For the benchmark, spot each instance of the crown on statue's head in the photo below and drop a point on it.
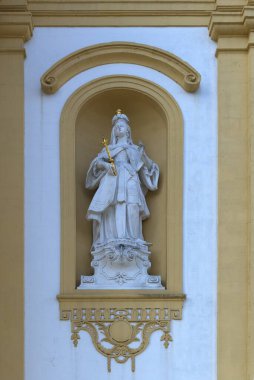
(119, 115)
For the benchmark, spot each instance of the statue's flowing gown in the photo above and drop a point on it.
(119, 206)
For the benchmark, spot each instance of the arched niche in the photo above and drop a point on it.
(148, 124)
(156, 119)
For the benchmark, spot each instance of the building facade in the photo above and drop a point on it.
(184, 73)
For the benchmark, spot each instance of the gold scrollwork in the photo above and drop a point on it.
(121, 334)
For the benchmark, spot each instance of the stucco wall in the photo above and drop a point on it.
(49, 351)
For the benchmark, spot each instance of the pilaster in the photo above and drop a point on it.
(231, 26)
(15, 29)
(251, 209)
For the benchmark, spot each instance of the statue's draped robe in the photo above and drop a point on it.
(119, 206)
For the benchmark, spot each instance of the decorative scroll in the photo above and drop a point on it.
(120, 52)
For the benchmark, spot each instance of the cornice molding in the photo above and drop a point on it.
(231, 21)
(16, 24)
(16, 20)
(238, 44)
(120, 52)
(121, 13)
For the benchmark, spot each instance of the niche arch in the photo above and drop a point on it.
(107, 314)
(120, 52)
(171, 213)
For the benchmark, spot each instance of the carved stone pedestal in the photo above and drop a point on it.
(121, 264)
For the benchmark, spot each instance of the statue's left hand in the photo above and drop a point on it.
(148, 163)
(141, 148)
(141, 145)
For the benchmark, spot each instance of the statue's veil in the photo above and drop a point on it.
(113, 139)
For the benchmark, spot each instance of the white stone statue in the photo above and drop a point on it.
(122, 173)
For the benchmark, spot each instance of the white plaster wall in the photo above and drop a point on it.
(49, 351)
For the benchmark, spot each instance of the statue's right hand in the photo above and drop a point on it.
(104, 165)
(109, 168)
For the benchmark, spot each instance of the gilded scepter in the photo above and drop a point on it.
(111, 160)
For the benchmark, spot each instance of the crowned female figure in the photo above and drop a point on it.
(121, 174)
(119, 206)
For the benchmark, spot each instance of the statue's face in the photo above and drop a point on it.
(121, 128)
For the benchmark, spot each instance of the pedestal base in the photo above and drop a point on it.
(121, 264)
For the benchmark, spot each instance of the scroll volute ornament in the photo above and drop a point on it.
(120, 52)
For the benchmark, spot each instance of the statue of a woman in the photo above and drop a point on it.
(122, 173)
(119, 206)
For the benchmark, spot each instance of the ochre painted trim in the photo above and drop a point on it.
(120, 52)
(12, 45)
(73, 19)
(250, 343)
(233, 343)
(12, 209)
(15, 28)
(121, 13)
(230, 21)
(16, 25)
(232, 28)
(173, 116)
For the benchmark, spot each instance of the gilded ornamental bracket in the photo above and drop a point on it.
(120, 52)
(121, 331)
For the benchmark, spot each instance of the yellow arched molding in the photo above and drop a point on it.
(88, 309)
(174, 156)
(120, 52)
